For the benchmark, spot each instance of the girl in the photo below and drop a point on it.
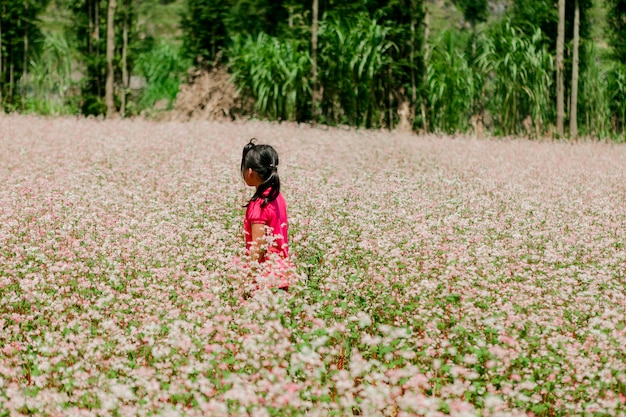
(265, 223)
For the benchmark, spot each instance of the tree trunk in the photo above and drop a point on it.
(108, 93)
(11, 78)
(213, 44)
(124, 63)
(89, 38)
(1, 58)
(412, 58)
(97, 43)
(426, 35)
(390, 99)
(573, 121)
(25, 61)
(560, 93)
(315, 97)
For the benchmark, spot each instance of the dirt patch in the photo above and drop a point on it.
(207, 95)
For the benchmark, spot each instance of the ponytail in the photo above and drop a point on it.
(262, 159)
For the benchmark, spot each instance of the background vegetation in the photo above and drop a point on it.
(430, 65)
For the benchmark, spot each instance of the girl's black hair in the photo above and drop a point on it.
(263, 159)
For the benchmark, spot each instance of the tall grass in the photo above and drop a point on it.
(594, 104)
(50, 77)
(518, 71)
(275, 73)
(354, 59)
(617, 99)
(503, 72)
(450, 84)
(163, 68)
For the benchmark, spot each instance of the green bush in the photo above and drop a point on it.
(594, 104)
(93, 106)
(353, 63)
(518, 70)
(163, 68)
(50, 78)
(617, 98)
(275, 73)
(449, 84)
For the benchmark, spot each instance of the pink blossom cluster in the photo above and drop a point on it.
(435, 275)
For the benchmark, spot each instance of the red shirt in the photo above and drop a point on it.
(273, 215)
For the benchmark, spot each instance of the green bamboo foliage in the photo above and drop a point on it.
(354, 59)
(594, 104)
(497, 73)
(163, 68)
(617, 98)
(450, 84)
(518, 70)
(275, 72)
(50, 77)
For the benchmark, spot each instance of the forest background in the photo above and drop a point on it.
(538, 68)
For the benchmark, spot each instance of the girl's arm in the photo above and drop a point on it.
(259, 243)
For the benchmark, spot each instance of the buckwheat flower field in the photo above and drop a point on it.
(435, 276)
